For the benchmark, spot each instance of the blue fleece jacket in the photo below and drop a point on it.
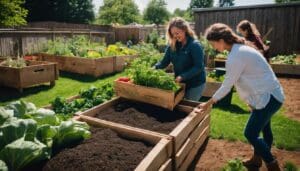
(188, 62)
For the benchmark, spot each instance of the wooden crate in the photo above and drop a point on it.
(36, 72)
(187, 137)
(122, 61)
(286, 69)
(163, 98)
(211, 88)
(95, 67)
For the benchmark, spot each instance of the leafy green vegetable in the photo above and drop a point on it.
(44, 116)
(14, 63)
(70, 132)
(212, 76)
(88, 98)
(3, 166)
(19, 108)
(15, 128)
(21, 153)
(82, 47)
(284, 59)
(234, 165)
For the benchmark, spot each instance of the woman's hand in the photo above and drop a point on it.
(203, 107)
(178, 79)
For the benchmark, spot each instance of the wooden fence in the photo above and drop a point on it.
(281, 20)
(22, 42)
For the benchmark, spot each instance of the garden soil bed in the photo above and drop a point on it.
(216, 153)
(291, 87)
(143, 115)
(105, 151)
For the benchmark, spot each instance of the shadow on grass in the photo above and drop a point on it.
(9, 94)
(232, 108)
(83, 78)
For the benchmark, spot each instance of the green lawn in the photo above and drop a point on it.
(226, 122)
(66, 86)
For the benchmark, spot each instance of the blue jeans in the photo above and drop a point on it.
(260, 120)
(194, 93)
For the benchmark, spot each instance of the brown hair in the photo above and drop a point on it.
(180, 23)
(251, 29)
(220, 31)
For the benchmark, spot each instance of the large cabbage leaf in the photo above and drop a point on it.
(3, 166)
(20, 153)
(44, 116)
(70, 132)
(15, 128)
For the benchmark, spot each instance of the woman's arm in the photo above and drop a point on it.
(165, 61)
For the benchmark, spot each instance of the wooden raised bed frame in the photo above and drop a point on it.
(95, 67)
(163, 98)
(186, 138)
(286, 69)
(36, 72)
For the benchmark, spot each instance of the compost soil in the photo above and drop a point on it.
(143, 115)
(105, 151)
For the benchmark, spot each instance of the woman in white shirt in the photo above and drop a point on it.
(256, 84)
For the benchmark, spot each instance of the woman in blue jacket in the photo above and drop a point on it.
(186, 55)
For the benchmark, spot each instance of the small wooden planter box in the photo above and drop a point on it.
(286, 69)
(186, 138)
(94, 67)
(121, 62)
(163, 98)
(36, 72)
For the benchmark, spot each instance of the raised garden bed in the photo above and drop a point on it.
(36, 72)
(163, 98)
(289, 69)
(95, 67)
(186, 129)
(110, 150)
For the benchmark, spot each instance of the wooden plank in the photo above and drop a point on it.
(157, 156)
(132, 132)
(286, 69)
(211, 88)
(200, 140)
(94, 110)
(167, 166)
(182, 131)
(184, 108)
(187, 146)
(189, 103)
(163, 98)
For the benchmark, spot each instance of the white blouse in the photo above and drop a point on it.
(252, 76)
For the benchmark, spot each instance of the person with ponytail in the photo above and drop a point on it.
(251, 34)
(256, 84)
(186, 54)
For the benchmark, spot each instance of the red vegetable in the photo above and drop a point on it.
(124, 79)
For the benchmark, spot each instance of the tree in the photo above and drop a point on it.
(185, 14)
(73, 11)
(201, 4)
(118, 11)
(286, 1)
(226, 3)
(156, 12)
(12, 13)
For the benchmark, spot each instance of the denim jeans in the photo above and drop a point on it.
(194, 93)
(260, 121)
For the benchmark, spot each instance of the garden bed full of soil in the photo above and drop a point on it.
(143, 116)
(105, 151)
